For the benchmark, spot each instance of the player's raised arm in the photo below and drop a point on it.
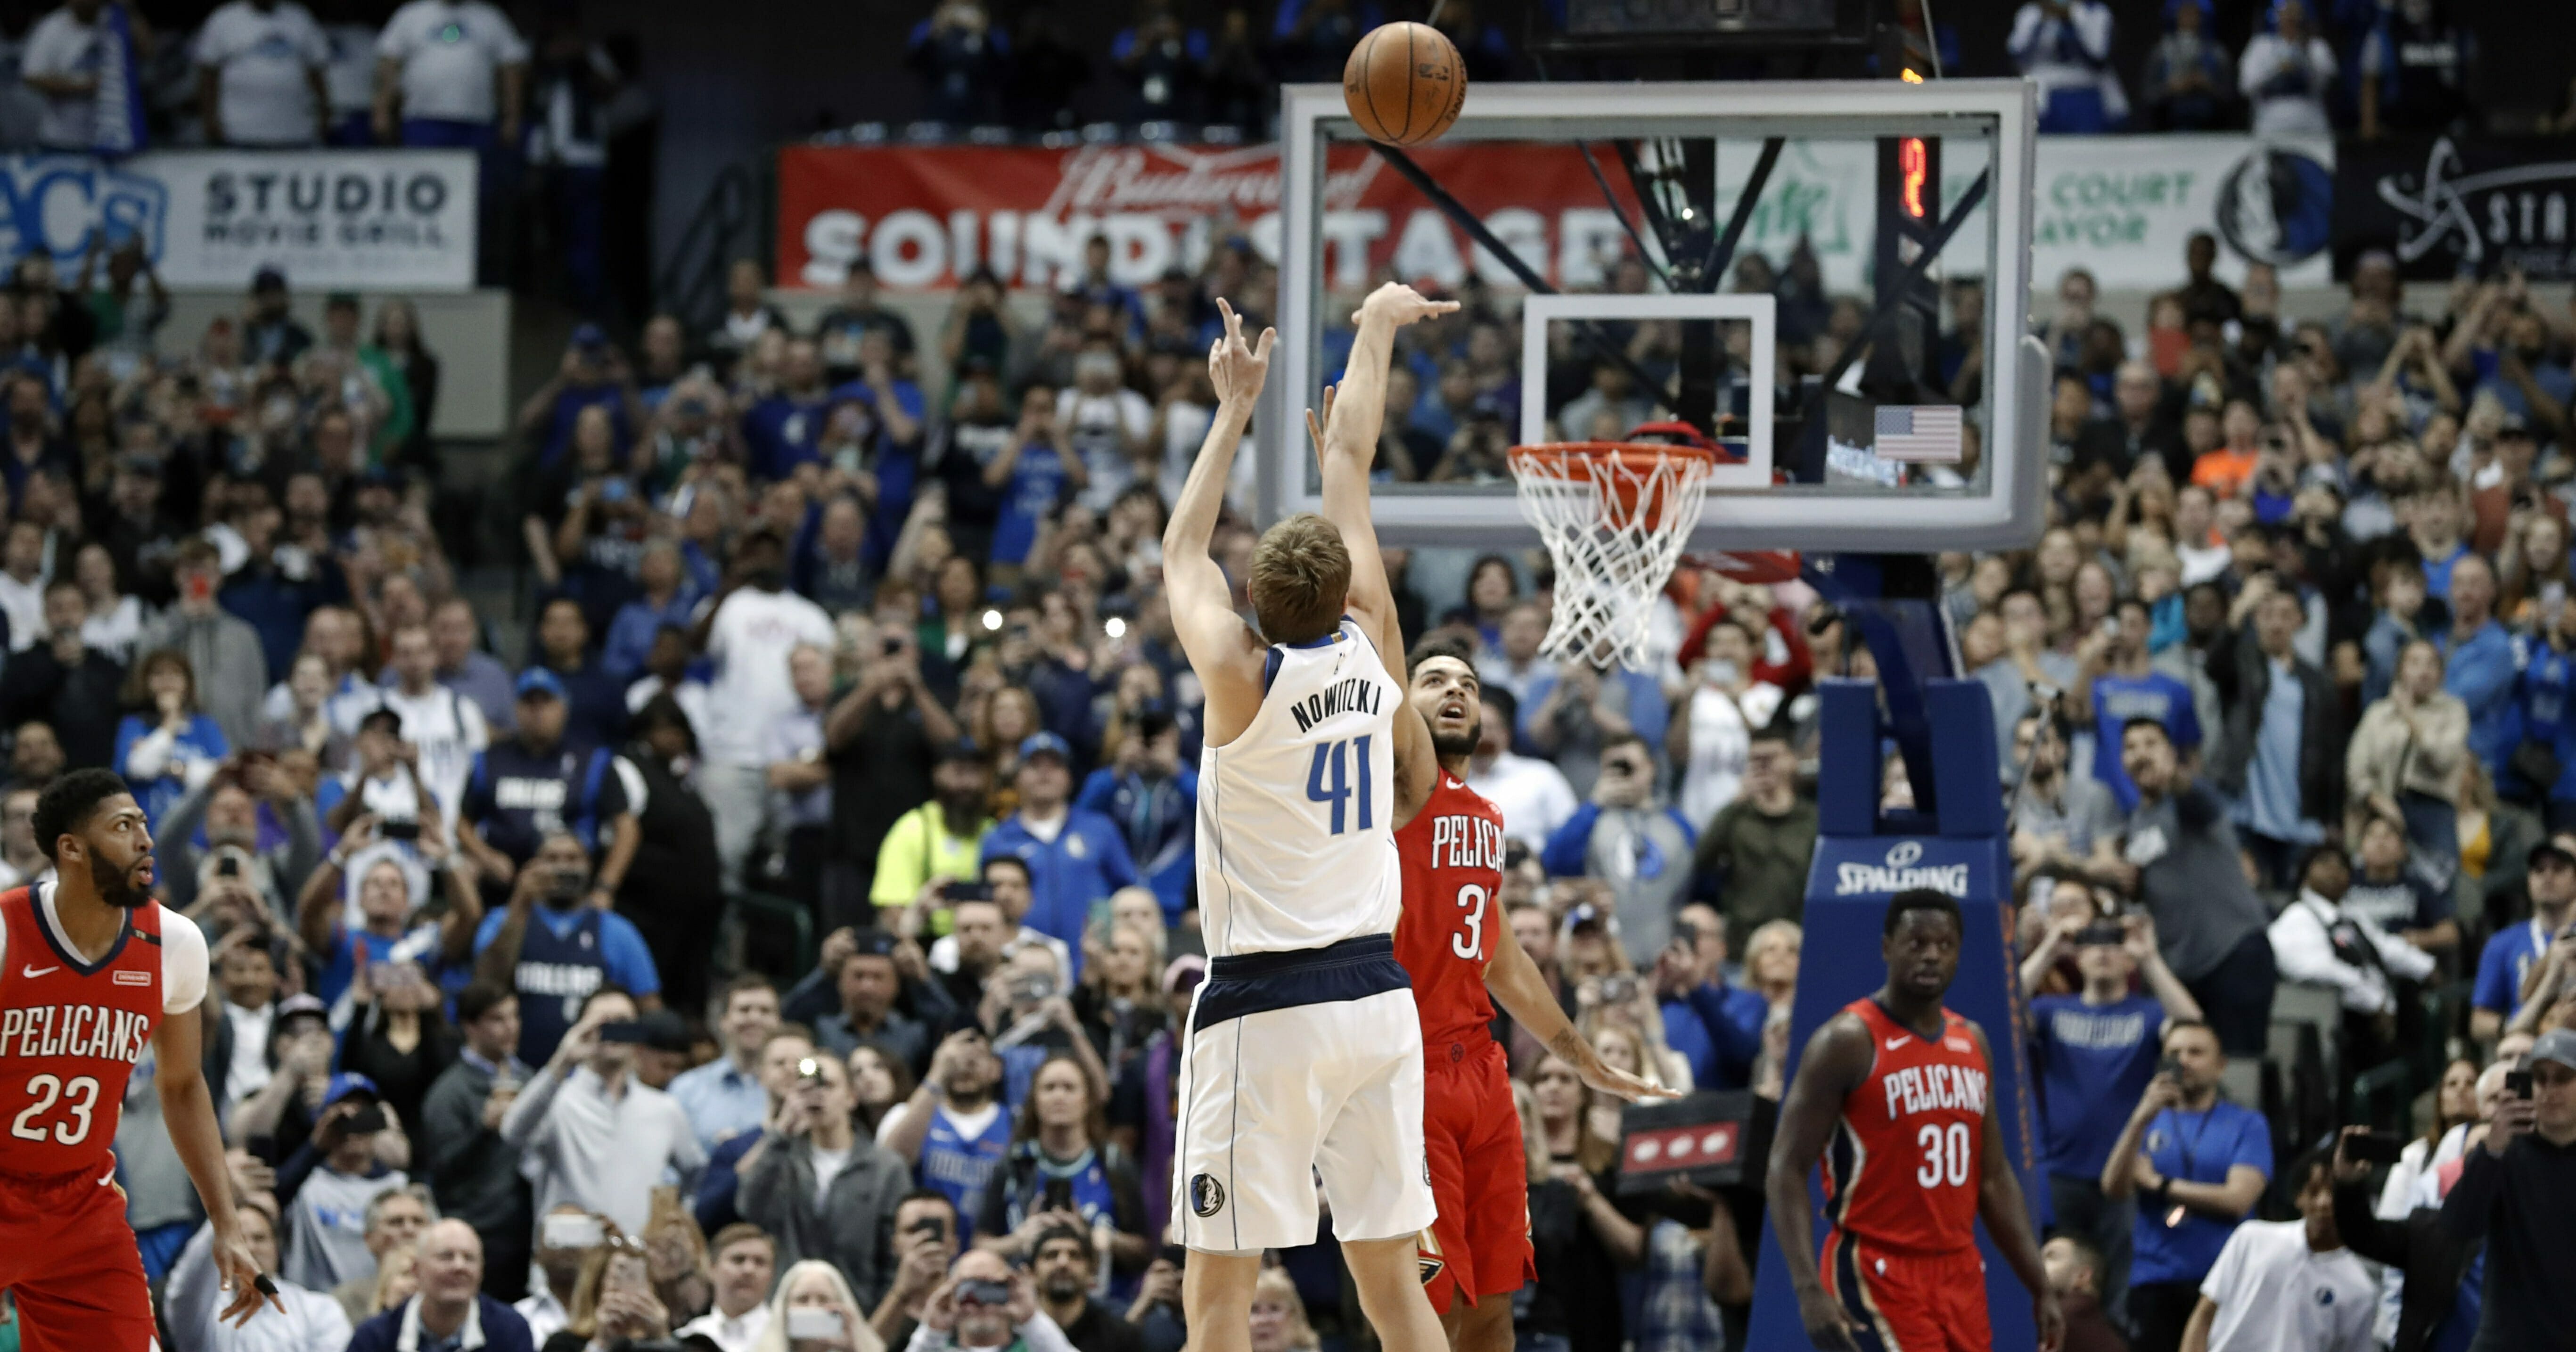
(2007, 1216)
(1837, 1058)
(1222, 649)
(1347, 447)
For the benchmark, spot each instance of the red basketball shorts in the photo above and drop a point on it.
(67, 1252)
(1907, 1301)
(1479, 1245)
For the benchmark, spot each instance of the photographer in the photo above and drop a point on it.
(589, 1132)
(554, 951)
(438, 935)
(868, 981)
(820, 1188)
(986, 1303)
(2197, 1165)
(227, 808)
(2096, 1051)
(1029, 1016)
(300, 1048)
(2513, 1191)
(327, 1185)
(2063, 826)
(1626, 837)
(953, 1128)
(2440, 1278)
(1062, 1172)
(925, 1238)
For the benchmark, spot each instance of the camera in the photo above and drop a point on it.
(1618, 988)
(1034, 987)
(2101, 934)
(2375, 1147)
(401, 830)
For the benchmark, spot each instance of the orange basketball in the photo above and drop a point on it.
(1404, 83)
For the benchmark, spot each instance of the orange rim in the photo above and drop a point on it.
(1572, 462)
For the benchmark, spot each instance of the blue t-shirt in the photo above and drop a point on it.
(781, 432)
(201, 740)
(2116, 700)
(2094, 1062)
(2194, 1148)
(552, 937)
(418, 944)
(2507, 959)
(1037, 484)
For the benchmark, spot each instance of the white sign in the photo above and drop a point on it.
(358, 220)
(2123, 206)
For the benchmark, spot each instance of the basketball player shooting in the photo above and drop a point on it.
(1303, 1056)
(91, 971)
(1897, 1085)
(1454, 941)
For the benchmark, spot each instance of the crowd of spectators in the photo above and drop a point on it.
(2309, 66)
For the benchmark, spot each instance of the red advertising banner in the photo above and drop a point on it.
(925, 216)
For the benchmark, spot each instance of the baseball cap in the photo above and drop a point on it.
(345, 1084)
(385, 719)
(270, 278)
(301, 1004)
(2549, 848)
(2558, 1044)
(959, 749)
(665, 1031)
(589, 337)
(539, 681)
(1045, 744)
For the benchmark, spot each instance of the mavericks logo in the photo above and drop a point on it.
(2277, 206)
(1207, 1196)
(1904, 869)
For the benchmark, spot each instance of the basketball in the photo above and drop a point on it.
(1404, 83)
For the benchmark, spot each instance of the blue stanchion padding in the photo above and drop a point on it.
(1864, 858)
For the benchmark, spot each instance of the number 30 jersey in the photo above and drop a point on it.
(1453, 867)
(1904, 1168)
(72, 1031)
(1296, 832)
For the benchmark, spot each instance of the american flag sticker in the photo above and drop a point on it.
(1919, 433)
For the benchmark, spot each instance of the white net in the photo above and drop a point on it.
(1615, 520)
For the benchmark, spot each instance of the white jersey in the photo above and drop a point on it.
(1296, 830)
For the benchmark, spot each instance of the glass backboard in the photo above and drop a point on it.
(1837, 349)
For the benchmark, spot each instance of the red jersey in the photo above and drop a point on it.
(70, 1033)
(1452, 854)
(1907, 1157)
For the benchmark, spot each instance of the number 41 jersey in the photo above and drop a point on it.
(1296, 841)
(1904, 1168)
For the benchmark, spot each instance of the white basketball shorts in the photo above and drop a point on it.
(1300, 1063)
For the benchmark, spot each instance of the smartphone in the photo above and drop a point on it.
(1058, 1195)
(624, 1030)
(928, 1225)
(2101, 934)
(570, 1231)
(891, 647)
(1686, 934)
(1618, 988)
(228, 867)
(983, 1291)
(1036, 986)
(400, 830)
(366, 1121)
(2170, 1065)
(2517, 1084)
(2375, 1147)
(954, 893)
(815, 1322)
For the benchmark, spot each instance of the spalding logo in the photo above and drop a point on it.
(1904, 869)
(1207, 1196)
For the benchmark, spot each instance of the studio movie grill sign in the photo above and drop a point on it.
(312, 208)
(1903, 871)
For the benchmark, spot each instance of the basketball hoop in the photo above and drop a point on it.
(1615, 517)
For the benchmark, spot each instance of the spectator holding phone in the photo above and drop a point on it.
(390, 928)
(2439, 1277)
(814, 1310)
(2096, 1051)
(1062, 1172)
(2196, 1164)
(227, 809)
(954, 1128)
(868, 982)
(2512, 1192)
(613, 1304)
(589, 1132)
(327, 1185)
(938, 841)
(821, 1188)
(555, 950)
(2506, 963)
(398, 1035)
(986, 1303)
(925, 1237)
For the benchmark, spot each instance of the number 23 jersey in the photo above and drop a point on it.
(72, 1031)
(1905, 1164)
